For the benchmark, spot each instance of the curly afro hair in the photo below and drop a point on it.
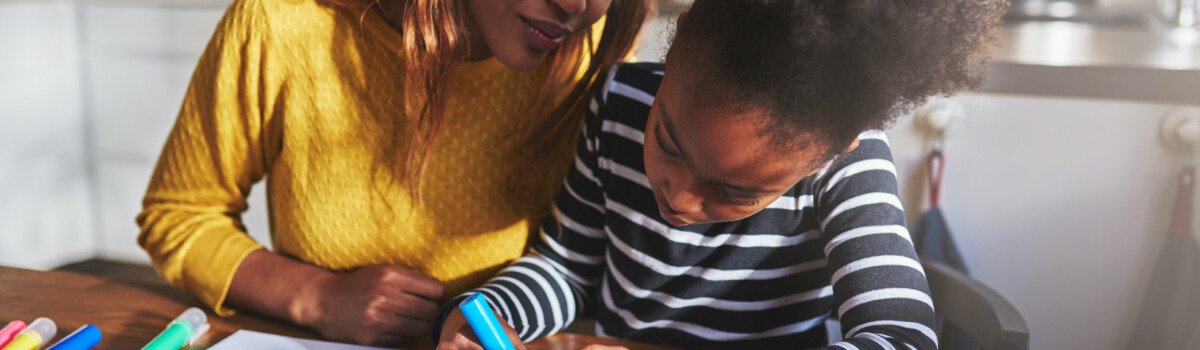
(836, 67)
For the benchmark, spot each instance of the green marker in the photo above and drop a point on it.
(185, 329)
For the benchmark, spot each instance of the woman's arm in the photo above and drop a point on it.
(379, 304)
(219, 147)
(224, 140)
(880, 291)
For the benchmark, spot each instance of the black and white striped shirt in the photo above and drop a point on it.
(836, 243)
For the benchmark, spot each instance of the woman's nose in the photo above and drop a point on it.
(570, 7)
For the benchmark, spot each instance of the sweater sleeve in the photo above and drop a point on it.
(544, 291)
(880, 291)
(191, 214)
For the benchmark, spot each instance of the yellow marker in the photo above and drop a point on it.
(32, 338)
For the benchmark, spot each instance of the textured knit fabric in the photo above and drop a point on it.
(836, 242)
(311, 95)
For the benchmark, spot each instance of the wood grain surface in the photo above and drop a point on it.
(130, 316)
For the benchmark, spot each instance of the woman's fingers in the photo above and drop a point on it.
(411, 306)
(400, 326)
(378, 305)
(412, 282)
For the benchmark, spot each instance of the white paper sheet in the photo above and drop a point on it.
(244, 339)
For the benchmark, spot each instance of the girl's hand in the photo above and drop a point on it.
(381, 305)
(458, 335)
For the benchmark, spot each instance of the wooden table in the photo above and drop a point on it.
(130, 316)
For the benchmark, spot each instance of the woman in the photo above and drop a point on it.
(409, 144)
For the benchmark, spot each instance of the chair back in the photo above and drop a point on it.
(967, 304)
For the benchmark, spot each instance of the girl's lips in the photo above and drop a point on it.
(545, 36)
(669, 220)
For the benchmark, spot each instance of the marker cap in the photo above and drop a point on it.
(44, 327)
(10, 331)
(183, 330)
(196, 320)
(32, 338)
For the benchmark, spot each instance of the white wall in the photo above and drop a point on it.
(138, 60)
(88, 92)
(45, 190)
(1059, 204)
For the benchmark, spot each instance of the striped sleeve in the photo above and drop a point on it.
(879, 287)
(546, 289)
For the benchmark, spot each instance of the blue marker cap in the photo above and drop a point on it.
(487, 328)
(81, 339)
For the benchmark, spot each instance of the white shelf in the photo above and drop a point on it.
(1096, 61)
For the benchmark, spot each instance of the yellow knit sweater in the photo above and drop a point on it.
(308, 96)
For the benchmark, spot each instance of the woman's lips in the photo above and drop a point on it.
(670, 220)
(544, 35)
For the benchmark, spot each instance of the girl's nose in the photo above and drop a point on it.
(684, 197)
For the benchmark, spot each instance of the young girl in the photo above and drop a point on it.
(377, 126)
(738, 198)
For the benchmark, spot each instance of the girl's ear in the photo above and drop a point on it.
(853, 145)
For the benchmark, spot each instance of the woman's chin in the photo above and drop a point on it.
(521, 61)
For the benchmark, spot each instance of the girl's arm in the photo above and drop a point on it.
(880, 291)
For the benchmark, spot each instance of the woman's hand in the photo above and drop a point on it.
(376, 305)
(381, 305)
(458, 335)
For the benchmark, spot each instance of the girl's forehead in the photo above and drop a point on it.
(728, 141)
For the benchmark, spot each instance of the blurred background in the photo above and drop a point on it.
(1057, 186)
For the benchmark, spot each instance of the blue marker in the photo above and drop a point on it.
(83, 338)
(479, 315)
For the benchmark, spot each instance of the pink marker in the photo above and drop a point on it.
(10, 331)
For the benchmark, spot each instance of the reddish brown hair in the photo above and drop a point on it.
(435, 38)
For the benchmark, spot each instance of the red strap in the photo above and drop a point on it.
(1181, 215)
(936, 163)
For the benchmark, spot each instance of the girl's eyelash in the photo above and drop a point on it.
(735, 200)
(743, 203)
(658, 139)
